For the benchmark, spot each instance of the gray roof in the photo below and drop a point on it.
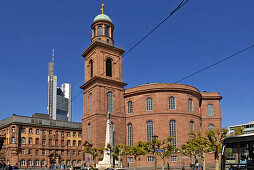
(34, 121)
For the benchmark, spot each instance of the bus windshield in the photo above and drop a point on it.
(238, 154)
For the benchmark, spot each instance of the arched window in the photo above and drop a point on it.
(107, 31)
(91, 68)
(30, 141)
(37, 141)
(110, 101)
(73, 143)
(109, 67)
(68, 143)
(99, 30)
(130, 134)
(23, 140)
(191, 126)
(91, 102)
(211, 127)
(209, 110)
(89, 130)
(130, 107)
(149, 130)
(171, 103)
(190, 105)
(13, 140)
(79, 143)
(22, 162)
(149, 104)
(30, 163)
(172, 132)
(37, 163)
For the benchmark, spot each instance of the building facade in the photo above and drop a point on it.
(248, 128)
(138, 113)
(59, 98)
(36, 142)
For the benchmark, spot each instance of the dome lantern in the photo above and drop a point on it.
(102, 28)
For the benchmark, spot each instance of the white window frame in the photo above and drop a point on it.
(149, 104)
(173, 158)
(171, 103)
(210, 110)
(36, 163)
(173, 132)
(30, 162)
(110, 102)
(190, 104)
(130, 107)
(149, 130)
(130, 134)
(150, 159)
(23, 162)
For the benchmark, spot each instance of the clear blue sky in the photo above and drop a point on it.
(199, 34)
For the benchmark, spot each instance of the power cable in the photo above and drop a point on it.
(205, 68)
(183, 2)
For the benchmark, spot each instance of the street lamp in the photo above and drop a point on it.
(155, 137)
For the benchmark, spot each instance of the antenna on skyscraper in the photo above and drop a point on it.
(53, 55)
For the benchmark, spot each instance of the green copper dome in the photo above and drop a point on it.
(102, 17)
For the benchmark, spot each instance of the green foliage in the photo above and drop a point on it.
(196, 146)
(215, 139)
(238, 130)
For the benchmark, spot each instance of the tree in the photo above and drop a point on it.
(238, 130)
(121, 150)
(93, 151)
(164, 145)
(197, 146)
(215, 139)
(136, 151)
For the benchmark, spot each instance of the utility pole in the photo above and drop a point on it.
(155, 151)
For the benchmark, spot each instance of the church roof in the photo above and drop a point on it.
(102, 17)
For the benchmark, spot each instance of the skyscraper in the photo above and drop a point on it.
(59, 98)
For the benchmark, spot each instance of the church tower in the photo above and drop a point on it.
(103, 88)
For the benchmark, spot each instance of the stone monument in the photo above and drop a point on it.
(108, 158)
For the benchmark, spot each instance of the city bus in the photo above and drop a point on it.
(238, 152)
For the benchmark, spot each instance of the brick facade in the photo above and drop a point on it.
(28, 145)
(98, 84)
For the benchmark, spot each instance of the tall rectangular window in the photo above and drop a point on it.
(107, 31)
(89, 131)
(190, 105)
(99, 30)
(130, 107)
(149, 130)
(130, 134)
(172, 132)
(209, 110)
(149, 104)
(110, 102)
(171, 103)
(91, 102)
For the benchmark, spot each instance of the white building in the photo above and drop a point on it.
(248, 128)
(59, 98)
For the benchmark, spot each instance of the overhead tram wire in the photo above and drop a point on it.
(183, 2)
(205, 68)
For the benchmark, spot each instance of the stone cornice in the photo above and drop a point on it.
(101, 79)
(101, 44)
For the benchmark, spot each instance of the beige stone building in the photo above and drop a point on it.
(35, 142)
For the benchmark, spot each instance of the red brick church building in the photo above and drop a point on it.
(138, 113)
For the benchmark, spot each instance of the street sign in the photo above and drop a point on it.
(159, 150)
(88, 159)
